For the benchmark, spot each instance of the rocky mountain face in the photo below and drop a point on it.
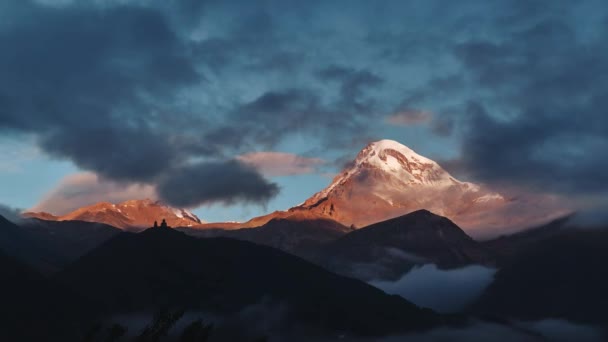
(388, 179)
(131, 214)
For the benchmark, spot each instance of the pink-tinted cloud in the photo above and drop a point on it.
(409, 117)
(86, 188)
(280, 163)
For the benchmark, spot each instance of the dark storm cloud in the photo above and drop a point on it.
(353, 82)
(272, 116)
(542, 120)
(267, 118)
(132, 90)
(114, 86)
(100, 86)
(201, 183)
(527, 97)
(86, 80)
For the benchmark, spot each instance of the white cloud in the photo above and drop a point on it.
(280, 163)
(86, 188)
(409, 117)
(440, 290)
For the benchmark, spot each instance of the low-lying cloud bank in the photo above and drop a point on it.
(545, 330)
(9, 213)
(86, 188)
(440, 290)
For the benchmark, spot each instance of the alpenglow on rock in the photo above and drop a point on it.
(388, 179)
(129, 214)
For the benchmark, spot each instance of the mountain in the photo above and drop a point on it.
(388, 179)
(67, 240)
(561, 276)
(141, 272)
(48, 246)
(508, 247)
(126, 215)
(388, 249)
(295, 234)
(35, 308)
(19, 244)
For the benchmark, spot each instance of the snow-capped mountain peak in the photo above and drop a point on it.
(388, 179)
(399, 167)
(401, 161)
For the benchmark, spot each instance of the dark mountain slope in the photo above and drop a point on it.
(510, 246)
(36, 308)
(296, 235)
(563, 276)
(137, 272)
(18, 243)
(69, 239)
(50, 245)
(389, 248)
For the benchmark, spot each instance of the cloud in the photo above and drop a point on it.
(440, 290)
(133, 90)
(353, 82)
(564, 331)
(13, 154)
(85, 188)
(205, 182)
(109, 95)
(409, 117)
(94, 98)
(537, 116)
(9, 213)
(546, 330)
(280, 163)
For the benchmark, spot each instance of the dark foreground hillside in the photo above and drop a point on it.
(34, 308)
(161, 267)
(561, 276)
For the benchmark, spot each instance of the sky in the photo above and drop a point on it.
(237, 108)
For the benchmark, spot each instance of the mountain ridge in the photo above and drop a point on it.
(226, 275)
(131, 214)
(388, 249)
(385, 180)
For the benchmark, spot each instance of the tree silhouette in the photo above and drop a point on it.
(115, 332)
(197, 331)
(91, 334)
(162, 322)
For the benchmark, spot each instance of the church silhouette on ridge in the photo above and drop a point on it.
(163, 224)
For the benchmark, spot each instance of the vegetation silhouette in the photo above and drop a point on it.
(162, 322)
(197, 331)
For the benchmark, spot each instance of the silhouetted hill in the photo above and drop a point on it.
(50, 245)
(18, 243)
(507, 247)
(34, 307)
(69, 239)
(389, 248)
(138, 272)
(299, 236)
(562, 276)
